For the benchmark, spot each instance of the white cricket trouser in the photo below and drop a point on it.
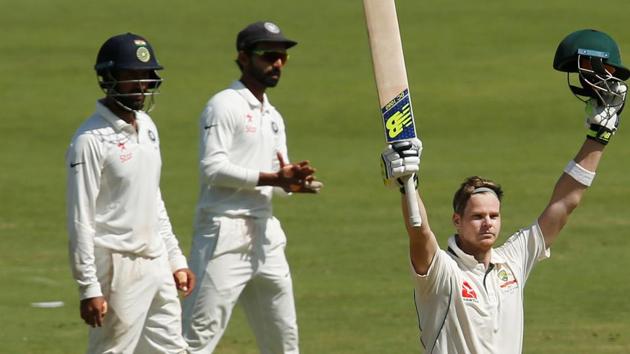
(143, 307)
(241, 259)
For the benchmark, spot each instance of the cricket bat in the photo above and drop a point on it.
(391, 83)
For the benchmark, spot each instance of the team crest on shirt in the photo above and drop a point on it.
(274, 127)
(507, 281)
(468, 293)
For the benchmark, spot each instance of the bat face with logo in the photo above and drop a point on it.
(391, 82)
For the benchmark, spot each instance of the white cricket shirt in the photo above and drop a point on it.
(113, 195)
(464, 308)
(240, 137)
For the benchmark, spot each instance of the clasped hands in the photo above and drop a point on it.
(297, 177)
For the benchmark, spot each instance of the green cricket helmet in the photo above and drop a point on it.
(590, 54)
(589, 43)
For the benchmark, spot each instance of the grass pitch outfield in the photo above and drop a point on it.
(486, 100)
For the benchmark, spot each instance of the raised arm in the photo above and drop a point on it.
(399, 160)
(602, 121)
(422, 242)
(568, 192)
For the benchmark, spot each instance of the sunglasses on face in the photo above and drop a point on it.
(271, 56)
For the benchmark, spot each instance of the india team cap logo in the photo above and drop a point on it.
(271, 27)
(142, 53)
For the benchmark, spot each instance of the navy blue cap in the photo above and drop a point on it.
(262, 31)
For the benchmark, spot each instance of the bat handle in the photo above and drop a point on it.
(412, 202)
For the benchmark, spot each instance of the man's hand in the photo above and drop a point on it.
(93, 310)
(184, 280)
(400, 159)
(297, 178)
(602, 120)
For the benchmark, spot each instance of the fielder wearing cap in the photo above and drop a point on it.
(124, 256)
(238, 245)
(469, 297)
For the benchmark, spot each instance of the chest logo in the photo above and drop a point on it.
(124, 154)
(250, 127)
(468, 293)
(508, 281)
(274, 127)
(151, 135)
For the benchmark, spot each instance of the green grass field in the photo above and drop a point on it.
(486, 100)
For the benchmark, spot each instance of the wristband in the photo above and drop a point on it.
(579, 173)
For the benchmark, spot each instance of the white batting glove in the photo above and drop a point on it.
(400, 159)
(603, 120)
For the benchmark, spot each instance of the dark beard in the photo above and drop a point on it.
(130, 102)
(267, 79)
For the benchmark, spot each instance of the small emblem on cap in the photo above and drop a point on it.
(143, 54)
(139, 42)
(271, 27)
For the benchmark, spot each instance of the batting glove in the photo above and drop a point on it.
(602, 121)
(400, 159)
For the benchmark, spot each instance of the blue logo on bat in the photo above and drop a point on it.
(398, 118)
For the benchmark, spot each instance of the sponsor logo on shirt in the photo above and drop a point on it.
(468, 293)
(124, 155)
(250, 127)
(274, 127)
(151, 135)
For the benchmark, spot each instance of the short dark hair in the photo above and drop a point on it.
(468, 187)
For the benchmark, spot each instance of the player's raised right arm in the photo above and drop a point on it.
(402, 159)
(422, 242)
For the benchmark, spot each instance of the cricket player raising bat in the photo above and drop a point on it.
(469, 297)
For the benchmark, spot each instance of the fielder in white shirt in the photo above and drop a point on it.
(124, 255)
(469, 298)
(238, 245)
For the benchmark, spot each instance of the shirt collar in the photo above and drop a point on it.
(113, 119)
(462, 257)
(468, 260)
(239, 87)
